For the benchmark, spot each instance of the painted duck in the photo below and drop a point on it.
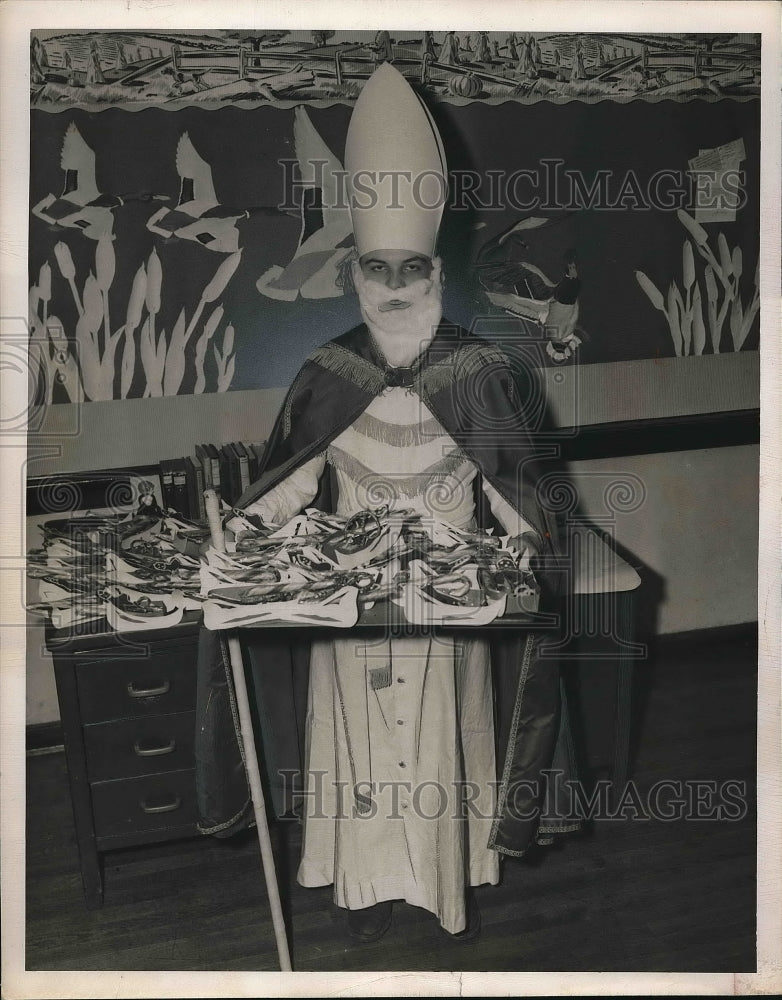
(522, 289)
(81, 205)
(198, 215)
(317, 269)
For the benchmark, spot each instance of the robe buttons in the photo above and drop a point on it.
(402, 763)
(400, 722)
(400, 680)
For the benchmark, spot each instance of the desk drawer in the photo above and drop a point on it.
(163, 681)
(129, 748)
(143, 805)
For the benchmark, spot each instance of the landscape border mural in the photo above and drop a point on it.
(604, 197)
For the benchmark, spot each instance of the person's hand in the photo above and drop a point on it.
(528, 544)
(239, 520)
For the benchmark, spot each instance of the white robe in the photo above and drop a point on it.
(401, 775)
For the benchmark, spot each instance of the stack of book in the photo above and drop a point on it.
(229, 469)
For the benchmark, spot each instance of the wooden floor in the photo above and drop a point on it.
(633, 895)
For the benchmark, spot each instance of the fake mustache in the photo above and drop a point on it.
(377, 296)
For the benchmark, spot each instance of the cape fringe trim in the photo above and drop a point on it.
(286, 415)
(467, 361)
(346, 364)
(463, 362)
(407, 486)
(399, 435)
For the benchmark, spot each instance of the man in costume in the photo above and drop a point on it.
(410, 411)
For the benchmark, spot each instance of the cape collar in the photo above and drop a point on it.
(360, 341)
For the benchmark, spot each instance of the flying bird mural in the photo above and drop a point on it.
(198, 215)
(81, 205)
(318, 269)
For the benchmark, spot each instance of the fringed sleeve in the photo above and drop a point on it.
(292, 495)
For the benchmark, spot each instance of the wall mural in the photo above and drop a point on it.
(604, 197)
(213, 68)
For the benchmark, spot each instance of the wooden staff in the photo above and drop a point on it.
(250, 755)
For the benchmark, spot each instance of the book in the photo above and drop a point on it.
(227, 474)
(195, 489)
(214, 464)
(181, 500)
(167, 482)
(244, 466)
(202, 454)
(252, 461)
(200, 487)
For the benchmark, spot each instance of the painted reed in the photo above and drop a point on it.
(690, 314)
(88, 363)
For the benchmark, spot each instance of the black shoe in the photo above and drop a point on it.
(371, 923)
(473, 928)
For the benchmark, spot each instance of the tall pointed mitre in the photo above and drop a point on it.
(397, 174)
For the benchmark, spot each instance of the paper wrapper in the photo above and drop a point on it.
(421, 609)
(244, 588)
(339, 610)
(128, 621)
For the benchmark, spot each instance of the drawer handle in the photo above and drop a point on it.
(153, 692)
(154, 751)
(166, 807)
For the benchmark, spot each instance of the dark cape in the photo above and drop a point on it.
(471, 388)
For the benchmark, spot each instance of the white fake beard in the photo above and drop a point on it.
(401, 334)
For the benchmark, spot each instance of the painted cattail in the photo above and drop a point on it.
(225, 376)
(154, 283)
(228, 340)
(64, 260)
(148, 354)
(711, 286)
(136, 300)
(200, 352)
(162, 346)
(174, 366)
(673, 321)
(128, 363)
(222, 276)
(738, 263)
(32, 303)
(104, 263)
(67, 268)
(715, 327)
(694, 228)
(698, 326)
(45, 282)
(213, 322)
(655, 296)
(688, 265)
(725, 257)
(736, 322)
(89, 362)
(93, 304)
(225, 360)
